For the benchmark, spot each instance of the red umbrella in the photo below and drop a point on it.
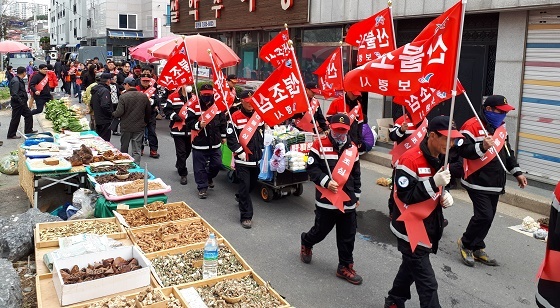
(141, 53)
(12, 46)
(197, 46)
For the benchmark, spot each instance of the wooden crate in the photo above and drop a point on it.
(47, 298)
(133, 232)
(54, 243)
(213, 281)
(178, 250)
(26, 177)
(123, 211)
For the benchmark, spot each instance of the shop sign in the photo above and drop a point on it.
(205, 24)
(174, 10)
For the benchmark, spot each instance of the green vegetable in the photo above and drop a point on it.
(62, 117)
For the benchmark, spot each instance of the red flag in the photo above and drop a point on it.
(221, 89)
(428, 62)
(374, 36)
(177, 71)
(280, 96)
(277, 50)
(330, 74)
(422, 102)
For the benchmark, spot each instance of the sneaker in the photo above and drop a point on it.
(305, 254)
(202, 194)
(348, 273)
(210, 183)
(481, 256)
(154, 154)
(466, 254)
(246, 223)
(184, 180)
(389, 303)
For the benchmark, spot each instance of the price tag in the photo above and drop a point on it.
(192, 298)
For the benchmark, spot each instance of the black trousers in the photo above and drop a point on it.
(200, 159)
(183, 148)
(484, 206)
(19, 110)
(152, 136)
(346, 224)
(104, 131)
(248, 177)
(40, 103)
(415, 267)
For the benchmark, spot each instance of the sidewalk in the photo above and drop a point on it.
(536, 197)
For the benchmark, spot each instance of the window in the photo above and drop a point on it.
(127, 21)
(168, 16)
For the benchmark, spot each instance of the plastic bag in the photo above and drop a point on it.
(84, 200)
(9, 163)
(277, 161)
(265, 173)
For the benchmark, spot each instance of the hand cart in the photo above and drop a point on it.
(283, 184)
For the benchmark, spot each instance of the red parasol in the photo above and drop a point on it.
(12, 46)
(141, 53)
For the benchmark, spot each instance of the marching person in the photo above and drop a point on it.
(39, 87)
(210, 130)
(353, 109)
(419, 181)
(147, 87)
(18, 102)
(134, 111)
(102, 106)
(486, 178)
(176, 109)
(233, 100)
(303, 121)
(342, 155)
(247, 153)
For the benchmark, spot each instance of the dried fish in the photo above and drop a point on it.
(79, 227)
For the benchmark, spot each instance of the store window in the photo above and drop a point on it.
(127, 21)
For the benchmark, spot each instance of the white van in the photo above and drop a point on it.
(16, 59)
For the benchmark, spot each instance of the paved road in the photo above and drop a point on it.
(271, 247)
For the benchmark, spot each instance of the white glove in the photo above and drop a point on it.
(242, 156)
(189, 89)
(442, 178)
(446, 199)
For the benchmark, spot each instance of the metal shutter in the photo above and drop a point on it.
(539, 142)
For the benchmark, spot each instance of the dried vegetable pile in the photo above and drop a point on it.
(186, 267)
(105, 268)
(136, 186)
(79, 227)
(151, 241)
(107, 178)
(100, 169)
(244, 292)
(137, 218)
(146, 297)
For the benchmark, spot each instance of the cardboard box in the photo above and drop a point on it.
(383, 127)
(79, 292)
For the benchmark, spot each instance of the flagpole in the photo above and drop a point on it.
(484, 129)
(454, 89)
(292, 51)
(223, 95)
(390, 5)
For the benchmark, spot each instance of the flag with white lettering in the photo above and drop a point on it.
(177, 71)
(374, 36)
(424, 62)
(221, 89)
(277, 50)
(281, 96)
(330, 74)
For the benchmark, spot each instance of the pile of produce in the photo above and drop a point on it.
(105, 268)
(63, 118)
(83, 156)
(79, 227)
(136, 218)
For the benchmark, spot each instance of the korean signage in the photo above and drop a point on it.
(205, 24)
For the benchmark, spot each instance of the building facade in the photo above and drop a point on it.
(25, 10)
(117, 25)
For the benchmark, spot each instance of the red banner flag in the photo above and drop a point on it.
(221, 89)
(330, 74)
(277, 50)
(411, 141)
(177, 71)
(423, 62)
(471, 166)
(374, 36)
(280, 96)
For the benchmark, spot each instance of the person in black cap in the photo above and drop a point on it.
(419, 179)
(350, 104)
(40, 89)
(335, 147)
(233, 100)
(102, 106)
(206, 146)
(302, 122)
(486, 184)
(246, 164)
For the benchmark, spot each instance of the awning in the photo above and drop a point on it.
(124, 34)
(73, 45)
(63, 45)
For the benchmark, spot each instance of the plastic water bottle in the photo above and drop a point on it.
(210, 261)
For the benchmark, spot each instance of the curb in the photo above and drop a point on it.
(514, 196)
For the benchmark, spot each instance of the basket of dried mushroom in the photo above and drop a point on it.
(47, 234)
(170, 235)
(175, 211)
(243, 289)
(183, 265)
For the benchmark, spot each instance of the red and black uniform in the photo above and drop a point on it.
(151, 127)
(327, 215)
(414, 183)
(549, 282)
(337, 106)
(181, 137)
(485, 185)
(247, 170)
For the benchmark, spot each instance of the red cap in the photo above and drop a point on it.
(340, 121)
(499, 102)
(207, 92)
(440, 124)
(356, 93)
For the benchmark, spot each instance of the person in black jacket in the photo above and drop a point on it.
(9, 74)
(18, 102)
(206, 145)
(40, 90)
(246, 164)
(102, 106)
(311, 89)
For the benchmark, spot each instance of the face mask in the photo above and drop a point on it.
(494, 119)
(339, 138)
(206, 99)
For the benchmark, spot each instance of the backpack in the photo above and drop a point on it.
(367, 137)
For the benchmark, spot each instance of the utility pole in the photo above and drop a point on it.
(35, 33)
